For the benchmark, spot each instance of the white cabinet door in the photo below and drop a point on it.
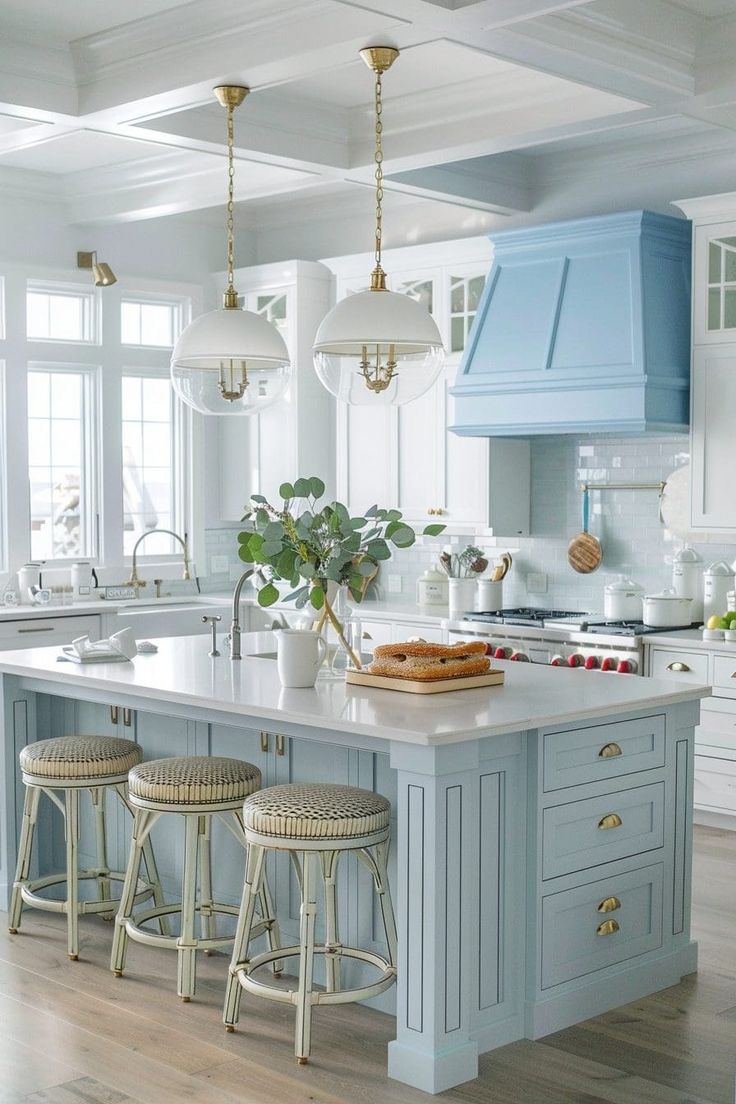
(714, 283)
(366, 446)
(713, 434)
(420, 428)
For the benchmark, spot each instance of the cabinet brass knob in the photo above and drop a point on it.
(678, 666)
(609, 751)
(609, 904)
(610, 820)
(608, 927)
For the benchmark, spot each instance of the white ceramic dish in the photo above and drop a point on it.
(666, 610)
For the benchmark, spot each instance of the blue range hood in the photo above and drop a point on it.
(583, 327)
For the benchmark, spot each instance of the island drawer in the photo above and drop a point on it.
(724, 674)
(38, 632)
(581, 834)
(601, 923)
(687, 666)
(598, 752)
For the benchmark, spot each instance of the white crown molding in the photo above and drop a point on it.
(705, 209)
(27, 185)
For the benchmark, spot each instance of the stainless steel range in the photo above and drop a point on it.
(561, 638)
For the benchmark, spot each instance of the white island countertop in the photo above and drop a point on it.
(182, 672)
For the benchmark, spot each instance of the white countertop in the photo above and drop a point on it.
(101, 605)
(533, 696)
(689, 638)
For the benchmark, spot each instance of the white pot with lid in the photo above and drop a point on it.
(687, 578)
(622, 600)
(718, 580)
(666, 610)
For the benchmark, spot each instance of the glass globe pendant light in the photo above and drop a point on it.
(378, 346)
(230, 361)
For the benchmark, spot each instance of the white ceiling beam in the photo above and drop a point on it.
(504, 188)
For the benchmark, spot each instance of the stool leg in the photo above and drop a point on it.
(98, 795)
(186, 944)
(384, 897)
(152, 874)
(332, 944)
(206, 915)
(142, 823)
(25, 846)
(268, 912)
(251, 890)
(71, 828)
(306, 959)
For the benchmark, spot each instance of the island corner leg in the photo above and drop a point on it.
(436, 904)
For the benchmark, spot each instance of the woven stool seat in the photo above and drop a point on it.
(71, 757)
(193, 780)
(316, 811)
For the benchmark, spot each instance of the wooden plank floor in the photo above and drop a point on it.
(72, 1034)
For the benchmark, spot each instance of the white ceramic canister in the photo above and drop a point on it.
(432, 589)
(666, 610)
(718, 580)
(622, 600)
(82, 581)
(28, 576)
(461, 596)
(489, 595)
(687, 578)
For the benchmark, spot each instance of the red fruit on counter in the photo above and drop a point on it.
(591, 663)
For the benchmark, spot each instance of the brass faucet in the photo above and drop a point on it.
(134, 580)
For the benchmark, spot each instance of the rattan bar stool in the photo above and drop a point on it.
(68, 765)
(197, 788)
(315, 823)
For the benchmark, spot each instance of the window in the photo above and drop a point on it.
(421, 290)
(60, 461)
(465, 293)
(722, 284)
(56, 314)
(149, 469)
(149, 322)
(273, 308)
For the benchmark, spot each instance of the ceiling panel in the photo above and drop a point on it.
(84, 149)
(710, 9)
(66, 20)
(9, 123)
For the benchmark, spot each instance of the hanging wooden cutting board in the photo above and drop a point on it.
(584, 552)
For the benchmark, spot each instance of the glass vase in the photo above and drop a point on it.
(342, 634)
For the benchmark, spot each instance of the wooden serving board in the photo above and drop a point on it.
(415, 686)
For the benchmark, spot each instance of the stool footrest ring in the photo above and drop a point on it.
(133, 927)
(29, 892)
(244, 972)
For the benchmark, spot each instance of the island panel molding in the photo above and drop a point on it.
(469, 808)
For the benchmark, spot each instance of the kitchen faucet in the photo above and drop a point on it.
(235, 629)
(134, 581)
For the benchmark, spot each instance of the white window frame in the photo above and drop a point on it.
(181, 317)
(107, 356)
(91, 458)
(64, 288)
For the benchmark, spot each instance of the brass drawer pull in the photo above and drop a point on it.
(39, 628)
(279, 744)
(114, 714)
(609, 904)
(127, 717)
(610, 820)
(608, 927)
(609, 751)
(678, 665)
(264, 741)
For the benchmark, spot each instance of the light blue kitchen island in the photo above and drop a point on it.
(542, 831)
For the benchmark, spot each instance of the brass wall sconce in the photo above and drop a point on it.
(102, 273)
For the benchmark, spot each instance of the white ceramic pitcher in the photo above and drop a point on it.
(301, 653)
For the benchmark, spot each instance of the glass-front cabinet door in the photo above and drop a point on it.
(714, 314)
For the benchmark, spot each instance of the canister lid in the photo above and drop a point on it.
(720, 567)
(686, 554)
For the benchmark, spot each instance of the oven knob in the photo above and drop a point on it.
(556, 661)
(490, 648)
(610, 663)
(575, 660)
(500, 653)
(521, 657)
(626, 667)
(591, 663)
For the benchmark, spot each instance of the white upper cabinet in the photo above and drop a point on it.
(713, 385)
(295, 436)
(407, 456)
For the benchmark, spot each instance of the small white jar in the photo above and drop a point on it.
(432, 589)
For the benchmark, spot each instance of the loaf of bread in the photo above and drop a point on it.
(427, 662)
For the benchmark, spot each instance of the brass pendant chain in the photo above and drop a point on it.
(231, 297)
(379, 170)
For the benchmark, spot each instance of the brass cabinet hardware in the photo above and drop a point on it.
(608, 927)
(127, 717)
(677, 665)
(436, 511)
(39, 628)
(610, 820)
(114, 714)
(609, 751)
(609, 904)
(732, 676)
(279, 744)
(264, 741)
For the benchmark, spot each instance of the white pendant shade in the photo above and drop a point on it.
(384, 325)
(226, 352)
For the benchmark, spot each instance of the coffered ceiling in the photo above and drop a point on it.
(107, 107)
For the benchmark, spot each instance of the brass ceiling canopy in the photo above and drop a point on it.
(231, 95)
(379, 58)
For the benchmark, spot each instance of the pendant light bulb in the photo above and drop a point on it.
(378, 346)
(230, 361)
